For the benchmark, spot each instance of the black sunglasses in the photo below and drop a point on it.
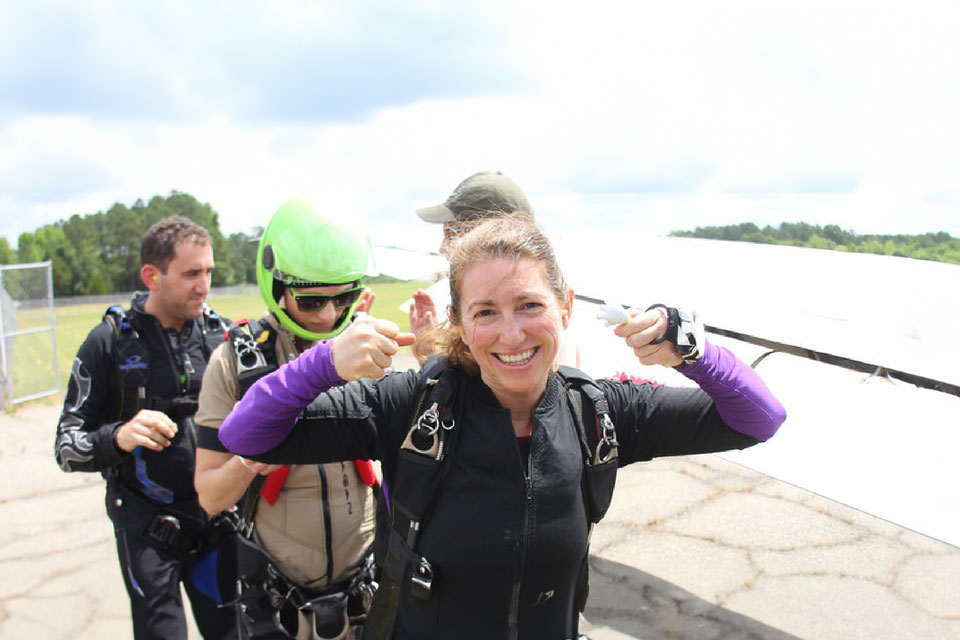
(310, 302)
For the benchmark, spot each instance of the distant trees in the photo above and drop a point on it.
(7, 255)
(243, 251)
(940, 247)
(100, 253)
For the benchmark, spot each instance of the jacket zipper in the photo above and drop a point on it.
(512, 621)
(327, 524)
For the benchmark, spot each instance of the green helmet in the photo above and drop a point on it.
(301, 248)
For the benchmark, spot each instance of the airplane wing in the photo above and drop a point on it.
(409, 264)
(859, 311)
(837, 336)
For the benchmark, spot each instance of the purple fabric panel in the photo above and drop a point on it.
(269, 409)
(742, 399)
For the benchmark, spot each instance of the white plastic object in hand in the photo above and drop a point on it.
(612, 315)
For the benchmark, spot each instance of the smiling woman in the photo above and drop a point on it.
(509, 306)
(509, 460)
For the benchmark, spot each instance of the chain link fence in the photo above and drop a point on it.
(28, 340)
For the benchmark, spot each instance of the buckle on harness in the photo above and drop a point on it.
(245, 528)
(429, 422)
(164, 529)
(425, 436)
(249, 356)
(421, 581)
(607, 447)
(333, 610)
(176, 408)
(184, 406)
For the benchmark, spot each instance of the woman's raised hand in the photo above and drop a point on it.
(642, 328)
(367, 347)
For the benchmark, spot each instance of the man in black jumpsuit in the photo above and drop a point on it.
(128, 414)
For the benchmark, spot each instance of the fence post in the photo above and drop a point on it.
(6, 392)
(22, 343)
(53, 327)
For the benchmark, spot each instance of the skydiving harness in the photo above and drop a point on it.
(343, 603)
(334, 607)
(424, 460)
(180, 533)
(133, 365)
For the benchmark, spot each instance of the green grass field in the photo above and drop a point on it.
(32, 355)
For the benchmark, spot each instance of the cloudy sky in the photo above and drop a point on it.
(636, 116)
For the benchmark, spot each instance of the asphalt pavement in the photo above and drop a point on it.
(692, 548)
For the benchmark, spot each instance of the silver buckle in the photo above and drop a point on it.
(607, 448)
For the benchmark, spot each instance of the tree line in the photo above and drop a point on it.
(940, 247)
(99, 253)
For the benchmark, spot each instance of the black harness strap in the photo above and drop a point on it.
(598, 442)
(422, 464)
(254, 346)
(132, 362)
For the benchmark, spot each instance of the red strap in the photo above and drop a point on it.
(366, 473)
(274, 482)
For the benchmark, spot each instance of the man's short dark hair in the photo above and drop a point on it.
(159, 244)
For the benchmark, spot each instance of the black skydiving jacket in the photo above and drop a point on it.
(505, 542)
(93, 407)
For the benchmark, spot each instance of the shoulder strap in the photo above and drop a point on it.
(119, 318)
(602, 439)
(254, 346)
(598, 439)
(248, 505)
(422, 459)
(598, 443)
(132, 362)
(213, 330)
(422, 464)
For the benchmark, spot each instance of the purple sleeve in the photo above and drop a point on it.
(269, 409)
(742, 399)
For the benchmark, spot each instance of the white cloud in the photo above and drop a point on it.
(642, 114)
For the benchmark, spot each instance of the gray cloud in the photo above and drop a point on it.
(281, 61)
(42, 178)
(65, 61)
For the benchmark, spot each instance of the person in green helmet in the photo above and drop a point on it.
(304, 260)
(304, 546)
